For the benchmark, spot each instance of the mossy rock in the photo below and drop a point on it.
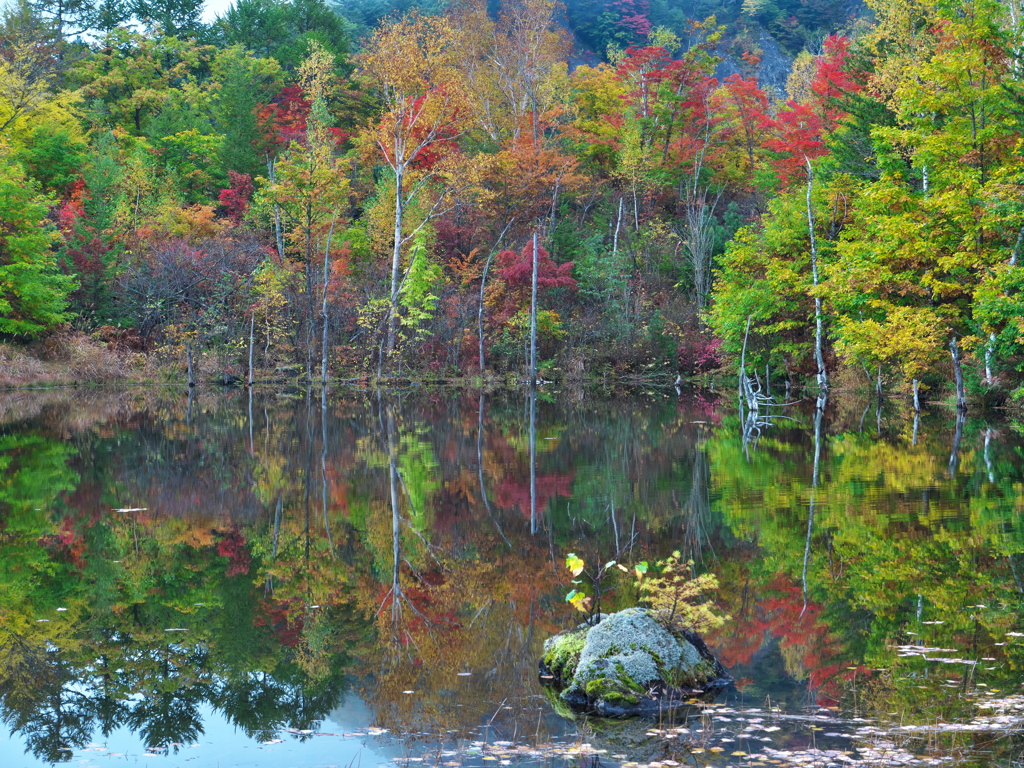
(629, 664)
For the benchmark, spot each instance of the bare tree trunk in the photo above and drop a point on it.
(819, 357)
(533, 315)
(743, 382)
(989, 351)
(483, 286)
(917, 396)
(618, 225)
(700, 222)
(958, 374)
(327, 274)
(252, 339)
(480, 311)
(191, 369)
(278, 231)
(636, 211)
(396, 259)
(878, 383)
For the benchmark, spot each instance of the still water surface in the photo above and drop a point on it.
(369, 580)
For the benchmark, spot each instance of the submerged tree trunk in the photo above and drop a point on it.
(532, 460)
(480, 469)
(958, 374)
(323, 467)
(810, 511)
(958, 434)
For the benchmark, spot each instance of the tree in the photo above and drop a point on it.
(33, 292)
(174, 18)
(411, 64)
(30, 70)
(520, 55)
(133, 77)
(284, 29)
(240, 84)
(69, 18)
(310, 185)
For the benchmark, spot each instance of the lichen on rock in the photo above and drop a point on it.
(628, 664)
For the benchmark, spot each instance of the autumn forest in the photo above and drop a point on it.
(292, 191)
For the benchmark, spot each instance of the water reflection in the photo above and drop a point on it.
(262, 559)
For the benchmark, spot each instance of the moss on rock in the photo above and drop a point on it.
(618, 665)
(562, 652)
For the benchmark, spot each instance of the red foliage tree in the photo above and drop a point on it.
(235, 199)
(750, 104)
(633, 17)
(516, 270)
(796, 138)
(833, 80)
(282, 121)
(646, 69)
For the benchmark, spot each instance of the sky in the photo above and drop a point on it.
(215, 8)
(212, 9)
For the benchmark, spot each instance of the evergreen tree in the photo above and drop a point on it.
(33, 293)
(175, 18)
(284, 29)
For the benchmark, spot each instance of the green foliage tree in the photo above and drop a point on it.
(284, 29)
(33, 292)
(173, 18)
(239, 83)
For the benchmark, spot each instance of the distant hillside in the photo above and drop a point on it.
(775, 31)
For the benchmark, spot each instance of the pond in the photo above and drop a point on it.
(280, 579)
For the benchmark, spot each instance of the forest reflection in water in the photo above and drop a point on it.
(168, 565)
